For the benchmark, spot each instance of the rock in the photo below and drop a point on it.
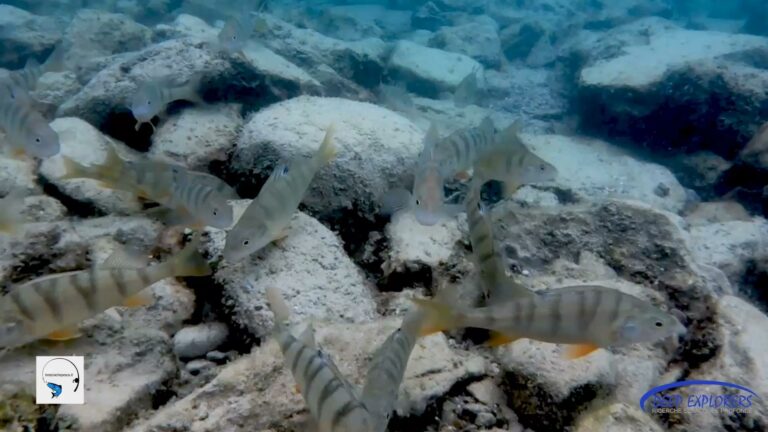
(17, 174)
(375, 150)
(96, 33)
(355, 22)
(742, 359)
(198, 136)
(707, 213)
(702, 171)
(429, 17)
(195, 341)
(478, 39)
(429, 71)
(310, 267)
(271, 64)
(86, 145)
(56, 87)
(674, 91)
(534, 92)
(195, 367)
(618, 417)
(518, 40)
(412, 246)
(729, 246)
(612, 173)
(103, 101)
(361, 61)
(185, 25)
(24, 35)
(260, 380)
(219, 357)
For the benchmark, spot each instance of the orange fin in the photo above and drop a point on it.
(498, 339)
(297, 389)
(581, 350)
(139, 300)
(63, 334)
(463, 175)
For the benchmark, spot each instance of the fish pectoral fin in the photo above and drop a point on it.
(499, 339)
(510, 187)
(580, 350)
(144, 298)
(64, 334)
(296, 389)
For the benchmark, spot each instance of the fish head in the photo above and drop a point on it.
(243, 242)
(220, 213)
(649, 325)
(427, 200)
(145, 103)
(232, 37)
(537, 170)
(42, 140)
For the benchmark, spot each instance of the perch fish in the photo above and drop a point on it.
(332, 401)
(51, 306)
(587, 317)
(269, 214)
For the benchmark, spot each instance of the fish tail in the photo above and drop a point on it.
(55, 61)
(189, 262)
(438, 316)
(327, 150)
(277, 305)
(193, 88)
(74, 169)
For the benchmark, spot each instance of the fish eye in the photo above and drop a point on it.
(245, 242)
(149, 102)
(418, 202)
(659, 324)
(37, 140)
(215, 211)
(542, 167)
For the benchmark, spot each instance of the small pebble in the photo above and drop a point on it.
(219, 357)
(661, 190)
(196, 341)
(199, 365)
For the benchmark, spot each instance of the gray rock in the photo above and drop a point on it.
(355, 22)
(24, 35)
(105, 97)
(96, 33)
(632, 93)
(261, 380)
(195, 367)
(430, 70)
(186, 25)
(730, 246)
(619, 417)
(56, 87)
(309, 266)
(198, 136)
(478, 39)
(702, 170)
(375, 149)
(195, 341)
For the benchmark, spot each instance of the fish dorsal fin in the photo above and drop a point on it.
(123, 258)
(308, 336)
(432, 136)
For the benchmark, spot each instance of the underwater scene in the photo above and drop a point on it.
(383, 215)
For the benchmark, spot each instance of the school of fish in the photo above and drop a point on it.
(585, 317)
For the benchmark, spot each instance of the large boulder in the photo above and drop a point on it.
(669, 91)
(430, 71)
(478, 39)
(96, 33)
(375, 150)
(309, 266)
(24, 35)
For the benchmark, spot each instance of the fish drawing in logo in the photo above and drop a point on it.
(55, 389)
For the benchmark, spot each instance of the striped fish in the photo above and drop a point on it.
(332, 401)
(387, 370)
(152, 96)
(27, 132)
(586, 316)
(189, 198)
(494, 282)
(269, 214)
(51, 306)
(28, 77)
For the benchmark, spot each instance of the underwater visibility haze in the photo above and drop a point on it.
(383, 215)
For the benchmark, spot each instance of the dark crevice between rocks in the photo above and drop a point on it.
(163, 394)
(429, 420)
(210, 306)
(755, 280)
(74, 207)
(746, 184)
(536, 409)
